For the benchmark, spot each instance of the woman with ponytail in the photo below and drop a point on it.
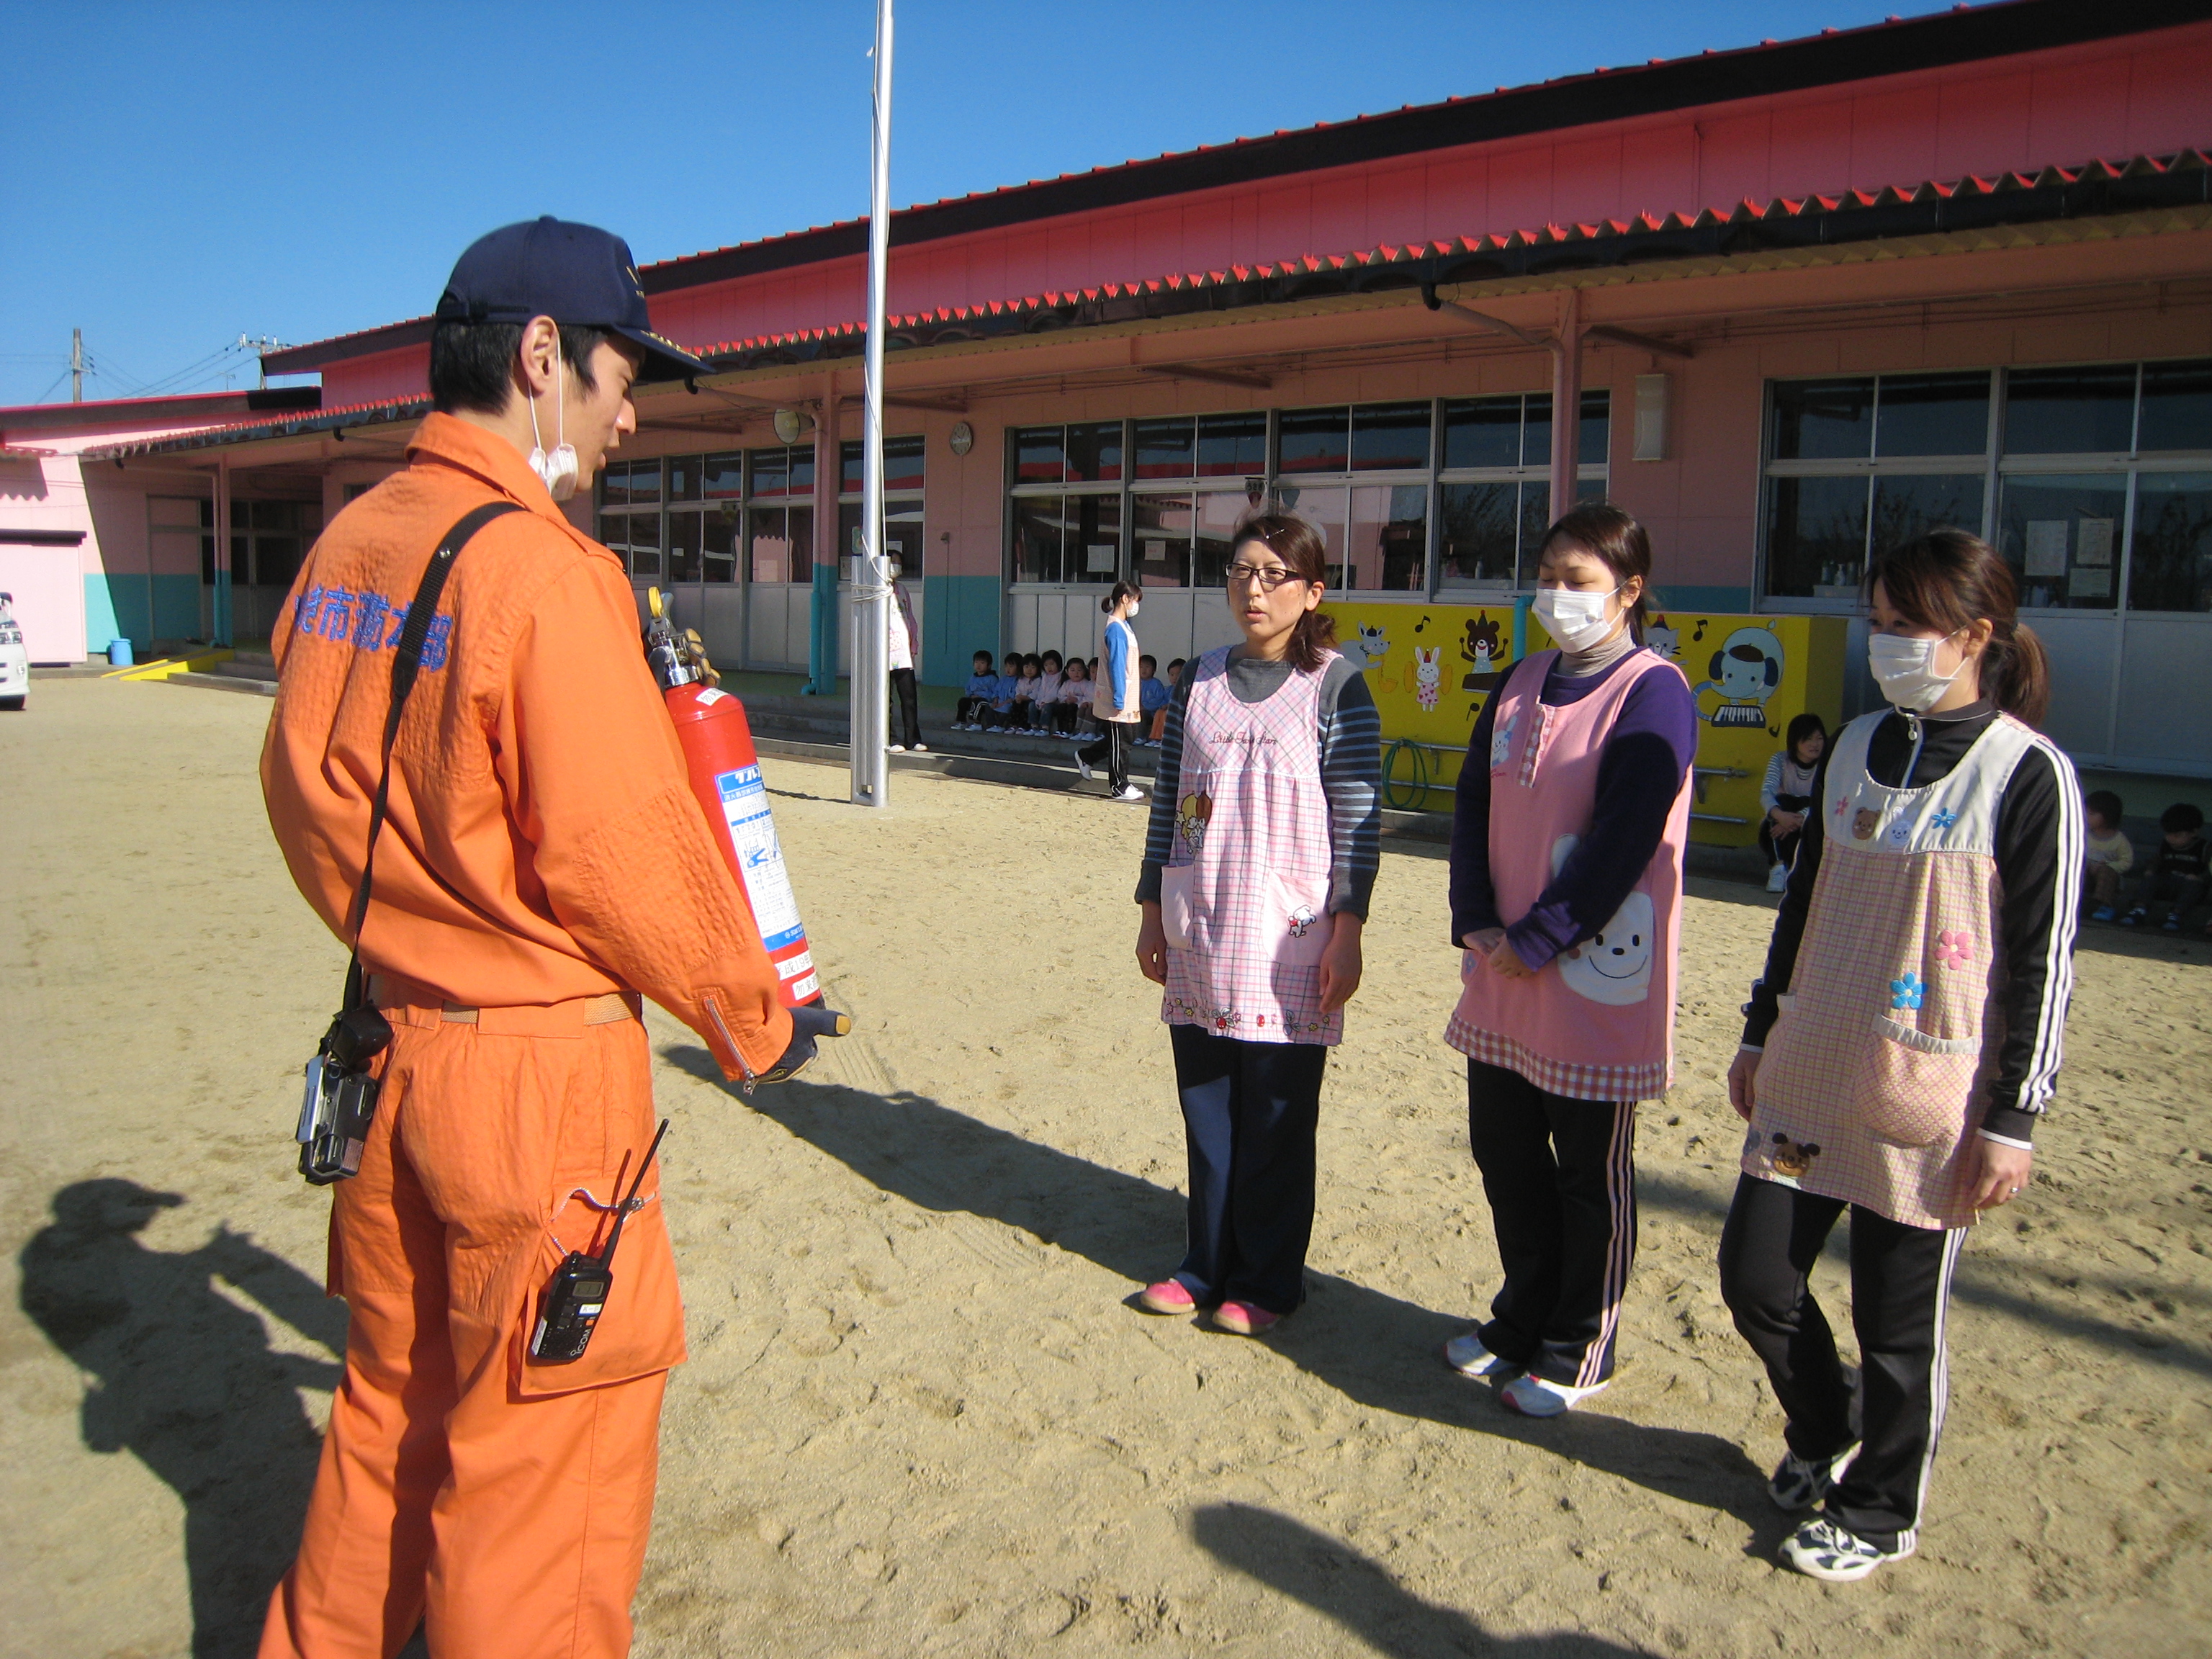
(1904, 1039)
(1264, 842)
(1113, 705)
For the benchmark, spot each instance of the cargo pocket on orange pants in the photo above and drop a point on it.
(641, 1330)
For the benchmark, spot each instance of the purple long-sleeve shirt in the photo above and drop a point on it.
(1640, 770)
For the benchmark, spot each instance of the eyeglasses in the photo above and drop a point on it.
(1266, 578)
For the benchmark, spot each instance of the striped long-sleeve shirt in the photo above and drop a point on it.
(1351, 774)
(2039, 859)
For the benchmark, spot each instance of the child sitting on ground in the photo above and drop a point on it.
(2106, 855)
(1786, 795)
(2178, 871)
(982, 690)
(1025, 692)
(1158, 735)
(1047, 694)
(1152, 698)
(1075, 694)
(1002, 702)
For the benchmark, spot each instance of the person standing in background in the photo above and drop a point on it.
(1115, 703)
(1568, 837)
(901, 641)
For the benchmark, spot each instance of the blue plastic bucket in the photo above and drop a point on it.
(118, 653)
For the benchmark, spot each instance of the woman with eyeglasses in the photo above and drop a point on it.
(1261, 856)
(1568, 835)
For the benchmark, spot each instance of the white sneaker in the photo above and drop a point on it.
(1777, 879)
(1821, 1549)
(921, 749)
(1532, 1396)
(1130, 792)
(899, 749)
(1465, 1354)
(1082, 769)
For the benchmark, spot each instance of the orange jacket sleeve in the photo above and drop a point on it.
(591, 765)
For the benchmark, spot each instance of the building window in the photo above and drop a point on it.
(1494, 485)
(705, 519)
(903, 501)
(1066, 508)
(2093, 482)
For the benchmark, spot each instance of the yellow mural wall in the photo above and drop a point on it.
(1432, 667)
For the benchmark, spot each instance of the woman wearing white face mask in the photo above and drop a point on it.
(1904, 1038)
(1566, 883)
(1114, 704)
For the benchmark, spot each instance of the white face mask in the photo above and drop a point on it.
(556, 471)
(1134, 606)
(1905, 671)
(1577, 621)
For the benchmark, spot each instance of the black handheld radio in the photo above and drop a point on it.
(578, 1290)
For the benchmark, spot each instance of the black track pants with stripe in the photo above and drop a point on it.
(1561, 1176)
(1900, 1288)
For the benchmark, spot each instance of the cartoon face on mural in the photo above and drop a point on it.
(1660, 638)
(1371, 646)
(1484, 652)
(1613, 966)
(1744, 673)
(1428, 673)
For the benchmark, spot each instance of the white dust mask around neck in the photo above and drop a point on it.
(1577, 621)
(1905, 671)
(556, 471)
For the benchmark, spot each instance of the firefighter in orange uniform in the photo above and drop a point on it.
(543, 862)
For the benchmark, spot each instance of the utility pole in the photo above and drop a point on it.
(77, 365)
(871, 594)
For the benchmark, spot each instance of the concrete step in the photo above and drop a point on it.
(244, 667)
(217, 680)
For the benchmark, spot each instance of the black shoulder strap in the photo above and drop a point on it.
(406, 664)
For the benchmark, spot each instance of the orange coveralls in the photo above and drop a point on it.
(543, 862)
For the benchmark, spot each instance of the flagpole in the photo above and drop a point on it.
(870, 677)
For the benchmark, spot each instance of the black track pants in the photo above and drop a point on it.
(1901, 1286)
(1561, 1176)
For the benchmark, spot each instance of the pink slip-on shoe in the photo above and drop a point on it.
(1245, 1318)
(1168, 1297)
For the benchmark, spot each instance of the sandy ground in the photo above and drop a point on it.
(919, 1419)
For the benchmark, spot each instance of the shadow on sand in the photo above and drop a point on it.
(183, 1378)
(1339, 1584)
(1373, 1347)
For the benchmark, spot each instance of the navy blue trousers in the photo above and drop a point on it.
(1250, 1112)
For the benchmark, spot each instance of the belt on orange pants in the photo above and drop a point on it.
(410, 1003)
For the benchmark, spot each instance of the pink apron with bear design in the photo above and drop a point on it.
(1244, 895)
(1598, 1023)
(1873, 1082)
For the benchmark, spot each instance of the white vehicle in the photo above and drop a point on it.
(14, 662)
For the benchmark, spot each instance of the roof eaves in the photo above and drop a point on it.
(384, 412)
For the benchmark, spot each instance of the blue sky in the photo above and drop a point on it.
(178, 175)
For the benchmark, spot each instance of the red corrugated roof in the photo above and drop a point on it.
(381, 411)
(1742, 212)
(1980, 31)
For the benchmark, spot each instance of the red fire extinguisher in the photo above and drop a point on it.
(725, 776)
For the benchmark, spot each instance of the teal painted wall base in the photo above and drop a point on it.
(115, 607)
(822, 635)
(1712, 601)
(960, 615)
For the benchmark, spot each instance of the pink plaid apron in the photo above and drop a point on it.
(1245, 898)
(1598, 1023)
(1874, 1079)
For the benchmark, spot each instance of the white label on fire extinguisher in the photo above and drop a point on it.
(752, 832)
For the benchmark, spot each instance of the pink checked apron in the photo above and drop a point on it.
(1245, 898)
(1598, 1023)
(1873, 1077)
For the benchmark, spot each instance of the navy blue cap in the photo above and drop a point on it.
(578, 275)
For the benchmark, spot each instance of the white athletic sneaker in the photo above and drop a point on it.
(1082, 769)
(1798, 1483)
(921, 749)
(1821, 1549)
(899, 749)
(1130, 792)
(1465, 1354)
(1532, 1396)
(1777, 879)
